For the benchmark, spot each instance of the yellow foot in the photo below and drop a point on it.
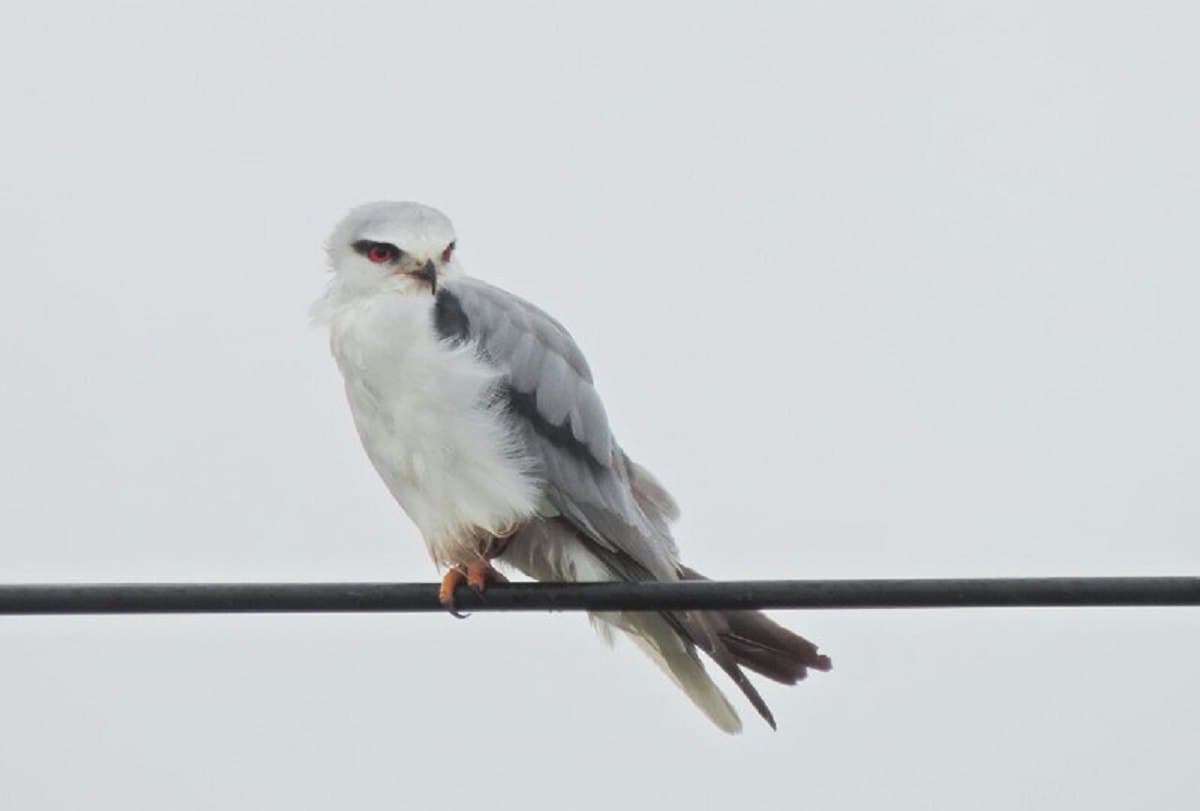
(480, 573)
(454, 577)
(477, 575)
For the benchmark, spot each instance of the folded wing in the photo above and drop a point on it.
(561, 419)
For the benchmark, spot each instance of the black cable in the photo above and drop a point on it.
(172, 598)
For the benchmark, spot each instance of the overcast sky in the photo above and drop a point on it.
(878, 290)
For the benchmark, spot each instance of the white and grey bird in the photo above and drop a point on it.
(479, 412)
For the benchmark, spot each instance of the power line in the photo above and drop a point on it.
(184, 598)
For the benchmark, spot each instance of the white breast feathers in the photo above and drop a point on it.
(422, 408)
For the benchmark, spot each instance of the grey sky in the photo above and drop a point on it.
(958, 247)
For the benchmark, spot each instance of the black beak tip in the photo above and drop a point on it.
(429, 273)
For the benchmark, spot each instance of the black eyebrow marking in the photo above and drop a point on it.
(363, 246)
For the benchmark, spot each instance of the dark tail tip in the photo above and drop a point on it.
(769, 649)
(752, 640)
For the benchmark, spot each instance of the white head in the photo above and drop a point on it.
(403, 247)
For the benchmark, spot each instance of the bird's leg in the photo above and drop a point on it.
(481, 572)
(477, 574)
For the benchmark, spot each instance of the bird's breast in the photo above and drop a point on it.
(422, 409)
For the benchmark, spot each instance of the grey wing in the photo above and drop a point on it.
(550, 397)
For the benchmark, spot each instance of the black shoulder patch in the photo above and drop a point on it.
(524, 406)
(449, 319)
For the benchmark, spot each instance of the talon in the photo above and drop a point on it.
(454, 577)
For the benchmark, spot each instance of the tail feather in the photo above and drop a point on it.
(698, 628)
(769, 649)
(759, 643)
(733, 640)
(677, 658)
(553, 550)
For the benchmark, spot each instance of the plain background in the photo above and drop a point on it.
(878, 289)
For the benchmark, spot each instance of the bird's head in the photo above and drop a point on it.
(405, 247)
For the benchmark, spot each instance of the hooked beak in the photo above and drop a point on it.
(428, 273)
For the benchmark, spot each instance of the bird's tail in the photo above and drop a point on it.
(659, 639)
(757, 642)
(553, 550)
(733, 640)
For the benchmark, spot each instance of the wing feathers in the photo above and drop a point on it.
(557, 390)
(558, 412)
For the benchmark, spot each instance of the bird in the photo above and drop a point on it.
(481, 415)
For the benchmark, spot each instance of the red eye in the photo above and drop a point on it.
(380, 253)
(446, 254)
